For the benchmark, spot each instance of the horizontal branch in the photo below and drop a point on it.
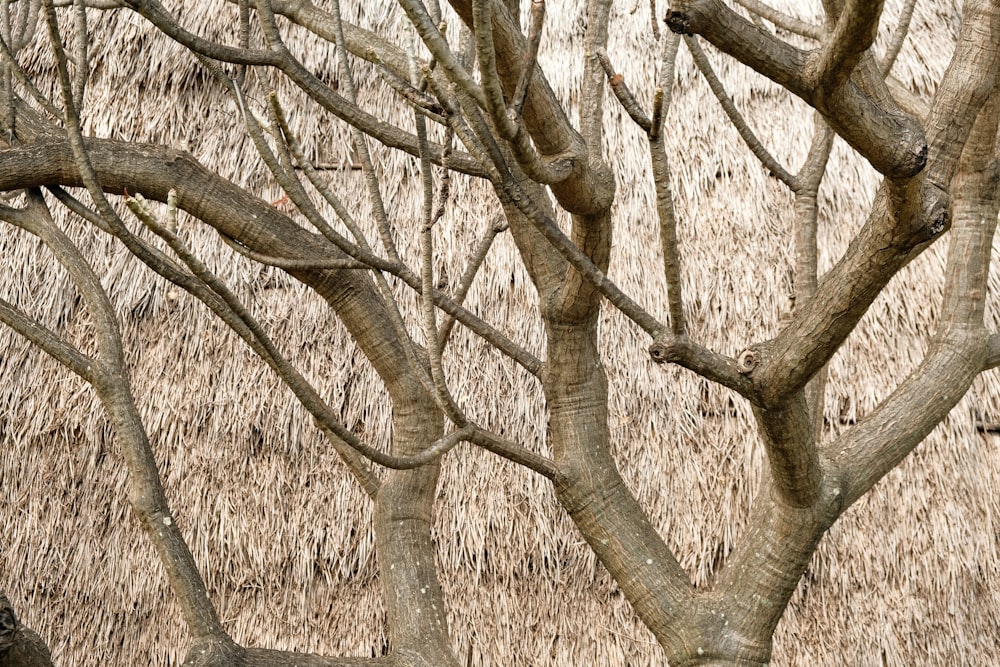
(513, 452)
(153, 170)
(680, 350)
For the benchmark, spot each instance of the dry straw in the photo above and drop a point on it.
(281, 531)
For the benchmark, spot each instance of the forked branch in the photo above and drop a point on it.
(891, 141)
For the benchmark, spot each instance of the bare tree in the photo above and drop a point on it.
(484, 109)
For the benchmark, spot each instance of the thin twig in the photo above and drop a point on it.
(421, 102)
(81, 53)
(361, 142)
(535, 26)
(782, 20)
(432, 38)
(898, 37)
(251, 331)
(509, 128)
(482, 17)
(441, 393)
(665, 211)
(623, 94)
(749, 138)
(465, 283)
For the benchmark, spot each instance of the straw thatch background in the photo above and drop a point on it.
(908, 576)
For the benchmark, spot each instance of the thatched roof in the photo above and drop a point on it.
(283, 534)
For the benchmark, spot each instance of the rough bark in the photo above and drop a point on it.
(20, 646)
(940, 172)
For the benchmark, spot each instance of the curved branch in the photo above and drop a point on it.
(853, 34)
(893, 142)
(154, 170)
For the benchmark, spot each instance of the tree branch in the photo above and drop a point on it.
(891, 141)
(782, 20)
(47, 340)
(962, 348)
(790, 440)
(680, 350)
(222, 205)
(20, 646)
(854, 33)
(585, 190)
(905, 218)
(749, 138)
(385, 133)
(898, 37)
(471, 270)
(665, 213)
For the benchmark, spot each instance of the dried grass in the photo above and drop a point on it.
(283, 535)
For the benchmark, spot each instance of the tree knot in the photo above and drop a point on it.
(747, 361)
(662, 352)
(678, 22)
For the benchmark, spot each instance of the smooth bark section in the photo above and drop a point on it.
(789, 437)
(893, 142)
(881, 440)
(757, 581)
(807, 252)
(593, 493)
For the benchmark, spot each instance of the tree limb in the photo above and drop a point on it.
(905, 218)
(893, 142)
(854, 32)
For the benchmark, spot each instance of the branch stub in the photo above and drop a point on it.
(747, 361)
